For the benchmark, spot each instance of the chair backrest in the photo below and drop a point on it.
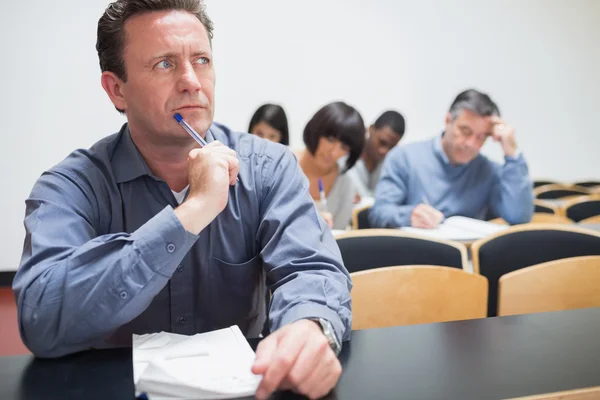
(538, 183)
(582, 208)
(406, 295)
(540, 206)
(553, 286)
(558, 191)
(545, 218)
(588, 184)
(10, 338)
(526, 245)
(374, 248)
(360, 217)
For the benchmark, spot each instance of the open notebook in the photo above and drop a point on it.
(460, 228)
(212, 365)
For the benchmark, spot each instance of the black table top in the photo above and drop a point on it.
(481, 359)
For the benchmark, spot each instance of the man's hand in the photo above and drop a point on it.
(426, 217)
(505, 135)
(296, 357)
(211, 170)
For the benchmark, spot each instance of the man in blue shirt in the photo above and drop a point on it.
(423, 183)
(146, 232)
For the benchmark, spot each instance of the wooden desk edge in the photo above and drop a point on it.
(592, 393)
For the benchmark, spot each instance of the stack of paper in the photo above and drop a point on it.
(461, 228)
(213, 365)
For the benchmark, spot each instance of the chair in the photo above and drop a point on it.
(588, 184)
(407, 295)
(552, 192)
(540, 218)
(540, 206)
(360, 217)
(582, 208)
(591, 220)
(526, 245)
(538, 183)
(374, 248)
(10, 338)
(553, 286)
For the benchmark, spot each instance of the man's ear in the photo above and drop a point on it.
(448, 118)
(113, 86)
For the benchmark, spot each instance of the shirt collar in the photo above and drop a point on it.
(439, 150)
(128, 163)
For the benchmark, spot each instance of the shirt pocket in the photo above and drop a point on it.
(238, 291)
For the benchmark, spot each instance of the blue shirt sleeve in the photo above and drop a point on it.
(390, 209)
(302, 261)
(512, 193)
(76, 286)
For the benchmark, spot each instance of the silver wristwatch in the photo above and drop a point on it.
(329, 333)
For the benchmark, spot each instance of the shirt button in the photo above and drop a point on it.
(182, 320)
(123, 294)
(170, 247)
(180, 268)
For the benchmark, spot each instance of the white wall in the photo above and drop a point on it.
(539, 59)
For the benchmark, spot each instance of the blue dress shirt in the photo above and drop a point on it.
(105, 256)
(418, 171)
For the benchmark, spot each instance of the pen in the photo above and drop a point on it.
(192, 133)
(190, 130)
(424, 199)
(323, 198)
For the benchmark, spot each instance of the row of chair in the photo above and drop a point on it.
(406, 295)
(516, 248)
(587, 184)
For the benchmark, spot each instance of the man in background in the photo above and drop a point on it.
(423, 183)
(384, 134)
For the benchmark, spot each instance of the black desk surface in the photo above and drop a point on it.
(482, 359)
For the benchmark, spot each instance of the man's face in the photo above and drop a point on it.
(465, 136)
(169, 66)
(380, 142)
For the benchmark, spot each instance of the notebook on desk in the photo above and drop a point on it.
(460, 228)
(212, 365)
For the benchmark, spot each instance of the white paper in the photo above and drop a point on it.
(460, 228)
(213, 365)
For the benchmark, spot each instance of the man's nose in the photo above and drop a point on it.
(188, 81)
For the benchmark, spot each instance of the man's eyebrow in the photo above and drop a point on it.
(161, 56)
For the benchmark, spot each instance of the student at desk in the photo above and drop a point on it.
(148, 232)
(421, 183)
(336, 131)
(383, 135)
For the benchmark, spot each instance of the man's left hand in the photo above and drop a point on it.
(505, 135)
(296, 357)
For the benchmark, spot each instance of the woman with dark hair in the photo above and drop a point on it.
(335, 132)
(270, 122)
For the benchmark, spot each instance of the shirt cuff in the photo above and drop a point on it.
(309, 311)
(163, 239)
(516, 157)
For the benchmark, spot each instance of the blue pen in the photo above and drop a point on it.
(323, 198)
(193, 133)
(190, 130)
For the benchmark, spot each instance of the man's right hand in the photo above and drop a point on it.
(426, 217)
(211, 170)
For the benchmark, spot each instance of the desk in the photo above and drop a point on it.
(594, 227)
(482, 359)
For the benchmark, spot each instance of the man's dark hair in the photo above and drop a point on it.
(111, 27)
(392, 119)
